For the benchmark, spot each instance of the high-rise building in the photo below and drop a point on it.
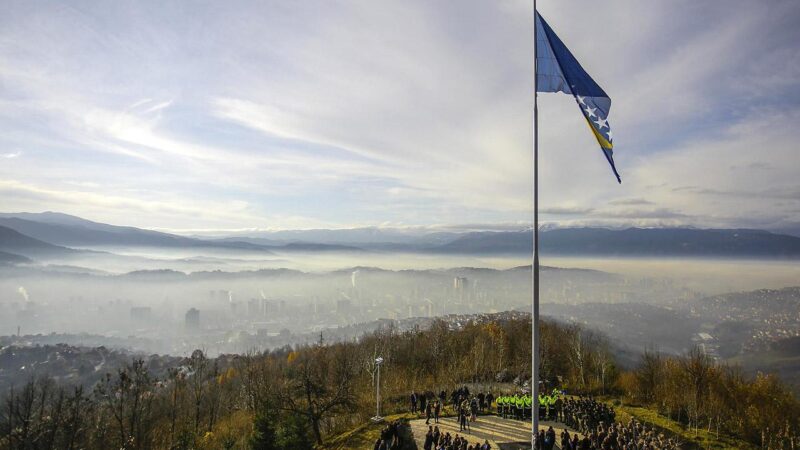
(263, 307)
(461, 286)
(192, 319)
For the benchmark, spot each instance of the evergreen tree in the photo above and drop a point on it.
(265, 433)
(295, 433)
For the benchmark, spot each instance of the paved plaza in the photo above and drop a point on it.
(504, 434)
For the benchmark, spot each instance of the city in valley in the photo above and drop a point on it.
(236, 295)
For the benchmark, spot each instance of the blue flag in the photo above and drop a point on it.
(558, 71)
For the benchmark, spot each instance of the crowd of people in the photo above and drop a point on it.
(594, 421)
(466, 405)
(585, 414)
(436, 440)
(616, 436)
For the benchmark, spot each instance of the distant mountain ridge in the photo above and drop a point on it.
(299, 246)
(672, 242)
(61, 231)
(632, 242)
(361, 237)
(18, 245)
(66, 230)
(6, 258)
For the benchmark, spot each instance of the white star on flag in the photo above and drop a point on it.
(610, 137)
(601, 123)
(590, 112)
(580, 100)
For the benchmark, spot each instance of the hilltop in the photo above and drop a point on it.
(322, 394)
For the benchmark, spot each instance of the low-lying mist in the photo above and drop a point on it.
(227, 300)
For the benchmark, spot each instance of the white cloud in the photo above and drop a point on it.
(413, 112)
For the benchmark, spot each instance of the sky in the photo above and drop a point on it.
(210, 116)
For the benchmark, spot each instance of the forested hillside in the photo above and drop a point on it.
(295, 398)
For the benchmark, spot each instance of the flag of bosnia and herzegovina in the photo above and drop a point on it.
(558, 71)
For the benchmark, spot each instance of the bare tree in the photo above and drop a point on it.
(319, 384)
(699, 371)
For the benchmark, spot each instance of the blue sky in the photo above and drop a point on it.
(198, 116)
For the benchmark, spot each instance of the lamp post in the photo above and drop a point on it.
(378, 418)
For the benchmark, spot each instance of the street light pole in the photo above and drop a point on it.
(378, 395)
(378, 418)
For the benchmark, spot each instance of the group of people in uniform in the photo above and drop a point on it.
(520, 406)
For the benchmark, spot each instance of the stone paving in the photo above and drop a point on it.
(503, 434)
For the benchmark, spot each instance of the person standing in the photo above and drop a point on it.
(428, 439)
(463, 422)
(550, 439)
(437, 409)
(565, 441)
(473, 408)
(413, 402)
(428, 413)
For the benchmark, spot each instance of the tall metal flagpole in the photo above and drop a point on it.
(535, 299)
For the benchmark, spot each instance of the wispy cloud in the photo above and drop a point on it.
(414, 113)
(630, 201)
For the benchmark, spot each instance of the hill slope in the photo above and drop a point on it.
(16, 243)
(11, 258)
(68, 230)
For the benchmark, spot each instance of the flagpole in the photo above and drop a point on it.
(535, 281)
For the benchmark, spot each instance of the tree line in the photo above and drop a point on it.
(701, 394)
(296, 398)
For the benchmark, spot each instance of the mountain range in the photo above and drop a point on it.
(34, 235)
(632, 242)
(66, 230)
(16, 245)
